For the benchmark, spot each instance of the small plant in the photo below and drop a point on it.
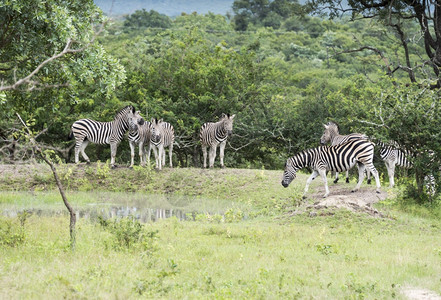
(102, 170)
(233, 215)
(129, 233)
(11, 234)
(325, 249)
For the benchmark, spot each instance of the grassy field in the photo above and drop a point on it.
(240, 240)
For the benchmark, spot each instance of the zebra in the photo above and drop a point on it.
(162, 135)
(393, 156)
(139, 133)
(86, 130)
(333, 158)
(331, 135)
(214, 134)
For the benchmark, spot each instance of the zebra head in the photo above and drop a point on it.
(290, 172)
(155, 130)
(227, 122)
(134, 120)
(331, 130)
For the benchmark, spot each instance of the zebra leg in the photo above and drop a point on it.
(163, 157)
(77, 151)
(212, 156)
(204, 152)
(221, 153)
(113, 147)
(368, 173)
(308, 182)
(141, 152)
(149, 150)
(160, 155)
(371, 168)
(391, 172)
(361, 168)
(170, 155)
(347, 176)
(155, 152)
(336, 177)
(322, 173)
(82, 148)
(132, 154)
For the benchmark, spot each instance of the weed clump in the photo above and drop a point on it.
(129, 233)
(12, 233)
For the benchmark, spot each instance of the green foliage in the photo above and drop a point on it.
(13, 233)
(129, 233)
(264, 12)
(144, 19)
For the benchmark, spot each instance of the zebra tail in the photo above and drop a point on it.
(70, 136)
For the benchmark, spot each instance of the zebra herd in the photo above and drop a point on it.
(156, 135)
(344, 152)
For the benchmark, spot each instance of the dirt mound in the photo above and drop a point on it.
(342, 197)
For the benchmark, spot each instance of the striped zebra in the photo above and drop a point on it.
(393, 156)
(214, 134)
(139, 133)
(336, 158)
(86, 130)
(162, 135)
(331, 135)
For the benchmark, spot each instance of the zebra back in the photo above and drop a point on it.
(168, 133)
(103, 132)
(334, 158)
(332, 135)
(392, 154)
(216, 133)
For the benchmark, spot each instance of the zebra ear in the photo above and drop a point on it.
(326, 126)
(152, 120)
(232, 117)
(223, 116)
(133, 109)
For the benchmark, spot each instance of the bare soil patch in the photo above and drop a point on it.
(342, 197)
(419, 294)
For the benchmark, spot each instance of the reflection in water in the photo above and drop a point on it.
(143, 215)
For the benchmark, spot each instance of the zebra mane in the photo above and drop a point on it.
(123, 112)
(127, 108)
(334, 125)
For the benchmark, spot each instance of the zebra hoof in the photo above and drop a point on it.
(368, 181)
(347, 180)
(88, 162)
(303, 197)
(378, 192)
(131, 167)
(335, 180)
(113, 166)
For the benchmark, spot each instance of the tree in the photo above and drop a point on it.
(400, 17)
(264, 12)
(44, 87)
(30, 33)
(145, 19)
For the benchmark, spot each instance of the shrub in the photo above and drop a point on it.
(129, 233)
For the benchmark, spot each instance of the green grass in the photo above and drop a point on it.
(270, 254)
